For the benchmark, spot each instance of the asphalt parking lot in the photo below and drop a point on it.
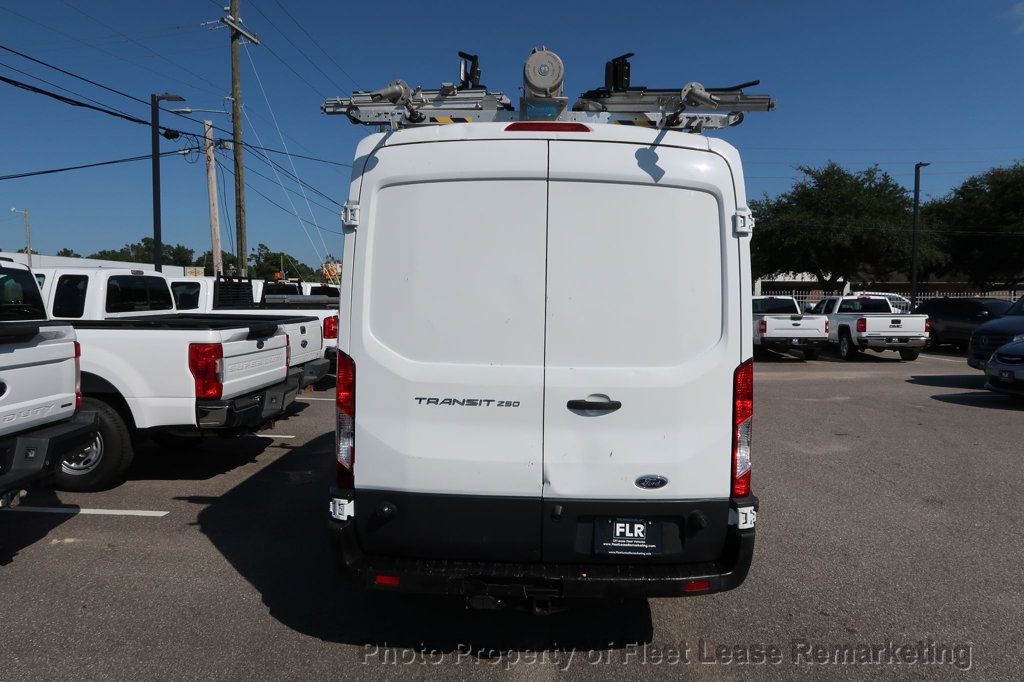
(888, 518)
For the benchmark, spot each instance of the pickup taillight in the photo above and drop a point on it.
(331, 327)
(927, 326)
(743, 415)
(78, 376)
(762, 326)
(828, 326)
(206, 362)
(862, 326)
(345, 428)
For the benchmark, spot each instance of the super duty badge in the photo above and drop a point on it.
(467, 402)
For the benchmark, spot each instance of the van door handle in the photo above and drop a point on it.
(597, 405)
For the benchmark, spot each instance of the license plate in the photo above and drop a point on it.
(1006, 375)
(632, 537)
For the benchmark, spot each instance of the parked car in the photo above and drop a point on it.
(779, 325)
(146, 368)
(955, 319)
(520, 429)
(41, 422)
(900, 304)
(989, 336)
(233, 296)
(1005, 370)
(869, 322)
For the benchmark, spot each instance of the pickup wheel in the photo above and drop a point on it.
(908, 354)
(811, 354)
(847, 351)
(100, 465)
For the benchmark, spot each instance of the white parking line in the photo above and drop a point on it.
(956, 360)
(80, 510)
(272, 435)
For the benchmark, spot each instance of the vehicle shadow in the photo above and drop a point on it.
(198, 459)
(975, 380)
(19, 530)
(273, 529)
(984, 399)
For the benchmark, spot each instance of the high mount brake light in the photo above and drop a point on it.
(743, 414)
(345, 427)
(546, 127)
(206, 362)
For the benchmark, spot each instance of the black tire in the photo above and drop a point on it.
(847, 351)
(811, 354)
(961, 347)
(909, 354)
(102, 465)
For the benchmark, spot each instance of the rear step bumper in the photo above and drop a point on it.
(251, 410)
(507, 580)
(34, 455)
(313, 371)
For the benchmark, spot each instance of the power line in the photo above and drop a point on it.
(50, 171)
(267, 177)
(294, 215)
(315, 43)
(297, 48)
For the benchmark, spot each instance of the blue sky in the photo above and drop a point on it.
(868, 82)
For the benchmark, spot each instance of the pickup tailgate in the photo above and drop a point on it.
(37, 375)
(251, 363)
(794, 326)
(306, 341)
(895, 324)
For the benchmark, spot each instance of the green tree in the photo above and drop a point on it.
(205, 261)
(69, 253)
(839, 226)
(981, 224)
(263, 263)
(142, 252)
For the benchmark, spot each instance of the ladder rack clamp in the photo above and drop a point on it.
(350, 214)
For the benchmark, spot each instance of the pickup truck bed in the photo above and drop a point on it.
(779, 325)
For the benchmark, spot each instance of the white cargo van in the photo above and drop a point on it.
(544, 375)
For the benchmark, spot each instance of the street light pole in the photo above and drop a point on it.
(28, 234)
(154, 124)
(917, 228)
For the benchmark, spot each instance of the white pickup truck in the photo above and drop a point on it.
(779, 325)
(145, 367)
(40, 389)
(861, 322)
(233, 296)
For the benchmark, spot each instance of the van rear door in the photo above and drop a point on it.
(448, 339)
(642, 336)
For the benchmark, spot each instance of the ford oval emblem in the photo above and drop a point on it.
(651, 482)
(260, 343)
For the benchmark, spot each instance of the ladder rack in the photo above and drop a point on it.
(692, 108)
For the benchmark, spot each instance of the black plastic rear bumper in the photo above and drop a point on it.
(32, 457)
(313, 371)
(251, 410)
(539, 579)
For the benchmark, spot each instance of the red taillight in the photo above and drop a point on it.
(388, 580)
(78, 376)
(345, 428)
(927, 325)
(546, 127)
(205, 361)
(331, 327)
(862, 325)
(743, 414)
(828, 327)
(696, 585)
(287, 354)
(762, 326)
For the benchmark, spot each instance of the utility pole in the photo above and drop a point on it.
(917, 228)
(28, 234)
(211, 191)
(234, 22)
